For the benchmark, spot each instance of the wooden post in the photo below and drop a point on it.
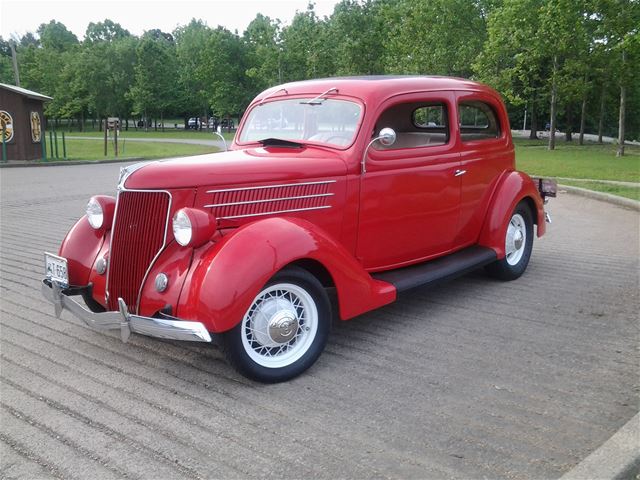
(4, 146)
(55, 136)
(115, 137)
(50, 143)
(43, 144)
(105, 136)
(64, 147)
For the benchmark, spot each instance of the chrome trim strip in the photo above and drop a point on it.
(174, 329)
(250, 202)
(273, 213)
(270, 186)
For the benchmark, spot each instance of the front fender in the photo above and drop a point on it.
(512, 189)
(225, 277)
(80, 247)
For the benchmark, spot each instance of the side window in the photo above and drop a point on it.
(417, 124)
(478, 121)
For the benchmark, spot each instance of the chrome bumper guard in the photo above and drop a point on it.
(125, 321)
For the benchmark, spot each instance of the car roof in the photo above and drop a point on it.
(375, 87)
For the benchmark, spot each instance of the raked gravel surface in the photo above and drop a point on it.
(473, 379)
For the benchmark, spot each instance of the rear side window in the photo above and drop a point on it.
(478, 121)
(417, 124)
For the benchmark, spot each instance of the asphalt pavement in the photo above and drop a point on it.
(474, 379)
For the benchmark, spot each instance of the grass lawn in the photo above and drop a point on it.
(168, 133)
(620, 190)
(571, 160)
(93, 150)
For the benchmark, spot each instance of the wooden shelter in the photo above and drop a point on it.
(22, 121)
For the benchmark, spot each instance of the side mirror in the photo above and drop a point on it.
(218, 132)
(386, 137)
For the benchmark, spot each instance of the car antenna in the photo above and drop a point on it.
(314, 101)
(272, 94)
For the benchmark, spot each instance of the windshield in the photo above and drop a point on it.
(332, 122)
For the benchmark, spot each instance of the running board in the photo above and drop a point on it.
(438, 270)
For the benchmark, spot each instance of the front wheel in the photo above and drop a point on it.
(517, 245)
(284, 331)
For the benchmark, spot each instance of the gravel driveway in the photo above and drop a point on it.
(473, 379)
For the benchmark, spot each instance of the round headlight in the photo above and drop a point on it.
(182, 230)
(193, 227)
(100, 210)
(95, 215)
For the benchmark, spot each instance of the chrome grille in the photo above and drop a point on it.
(138, 235)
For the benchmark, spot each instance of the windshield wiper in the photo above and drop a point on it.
(279, 142)
(318, 100)
(272, 94)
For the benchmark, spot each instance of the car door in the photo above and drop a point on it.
(410, 194)
(486, 151)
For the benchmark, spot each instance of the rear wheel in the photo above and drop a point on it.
(517, 245)
(284, 331)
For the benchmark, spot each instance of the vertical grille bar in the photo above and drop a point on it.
(137, 237)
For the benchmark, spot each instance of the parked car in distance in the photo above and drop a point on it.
(322, 207)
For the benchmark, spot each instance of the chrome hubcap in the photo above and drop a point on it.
(283, 326)
(516, 239)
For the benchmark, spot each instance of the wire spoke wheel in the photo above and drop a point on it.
(284, 330)
(280, 325)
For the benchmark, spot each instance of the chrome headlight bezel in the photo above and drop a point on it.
(182, 228)
(95, 213)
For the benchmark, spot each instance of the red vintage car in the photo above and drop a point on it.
(336, 194)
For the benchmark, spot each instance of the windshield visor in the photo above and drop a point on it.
(331, 122)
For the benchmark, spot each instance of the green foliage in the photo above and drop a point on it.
(198, 70)
(152, 92)
(440, 37)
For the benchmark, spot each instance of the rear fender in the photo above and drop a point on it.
(511, 190)
(80, 247)
(225, 277)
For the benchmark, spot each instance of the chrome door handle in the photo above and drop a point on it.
(459, 172)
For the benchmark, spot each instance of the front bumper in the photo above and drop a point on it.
(122, 320)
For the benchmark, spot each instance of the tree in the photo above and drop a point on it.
(193, 81)
(106, 31)
(6, 66)
(358, 41)
(440, 37)
(154, 89)
(55, 36)
(511, 60)
(618, 31)
(264, 53)
(308, 49)
(225, 65)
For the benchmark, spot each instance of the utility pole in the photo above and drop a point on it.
(14, 57)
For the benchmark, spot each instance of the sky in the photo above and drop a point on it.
(21, 16)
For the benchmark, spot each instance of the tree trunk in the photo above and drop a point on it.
(568, 133)
(623, 101)
(533, 135)
(554, 100)
(601, 119)
(82, 121)
(583, 114)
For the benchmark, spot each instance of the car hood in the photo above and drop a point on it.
(249, 166)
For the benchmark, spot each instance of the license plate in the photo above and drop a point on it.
(56, 269)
